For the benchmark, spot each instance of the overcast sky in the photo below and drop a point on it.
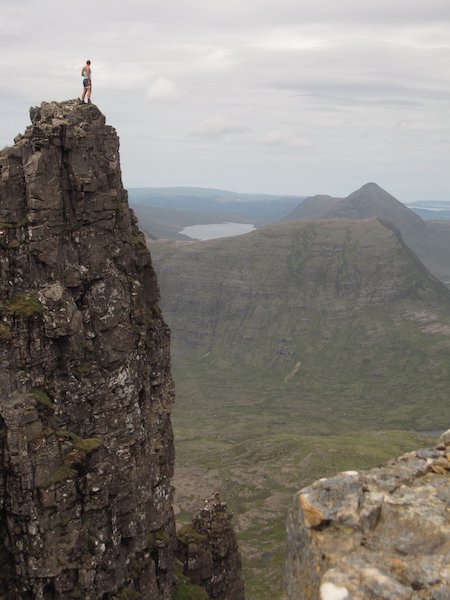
(276, 96)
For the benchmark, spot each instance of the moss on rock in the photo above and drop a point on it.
(22, 306)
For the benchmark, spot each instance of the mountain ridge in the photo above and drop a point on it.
(371, 201)
(283, 276)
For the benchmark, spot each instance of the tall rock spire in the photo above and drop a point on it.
(86, 445)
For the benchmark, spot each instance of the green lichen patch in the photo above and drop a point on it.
(83, 369)
(43, 398)
(76, 593)
(20, 223)
(156, 539)
(188, 535)
(183, 589)
(81, 447)
(137, 565)
(140, 244)
(88, 444)
(13, 244)
(121, 207)
(139, 240)
(5, 333)
(61, 473)
(22, 306)
(85, 445)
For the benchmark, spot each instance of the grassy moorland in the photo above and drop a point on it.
(257, 467)
(332, 319)
(298, 351)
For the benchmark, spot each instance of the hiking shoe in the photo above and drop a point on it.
(89, 102)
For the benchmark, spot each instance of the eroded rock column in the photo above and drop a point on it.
(209, 552)
(86, 445)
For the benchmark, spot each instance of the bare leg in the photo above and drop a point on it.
(89, 92)
(83, 94)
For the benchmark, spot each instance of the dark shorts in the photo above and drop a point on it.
(86, 83)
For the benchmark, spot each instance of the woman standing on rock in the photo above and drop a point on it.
(87, 82)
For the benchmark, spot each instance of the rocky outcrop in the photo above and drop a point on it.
(86, 445)
(380, 534)
(209, 552)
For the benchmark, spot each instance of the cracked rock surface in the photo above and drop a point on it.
(379, 534)
(86, 444)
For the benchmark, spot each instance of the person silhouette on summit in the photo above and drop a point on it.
(87, 82)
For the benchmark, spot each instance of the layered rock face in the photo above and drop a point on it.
(86, 445)
(382, 534)
(209, 552)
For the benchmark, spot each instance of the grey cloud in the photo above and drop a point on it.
(269, 74)
(216, 126)
(348, 100)
(284, 140)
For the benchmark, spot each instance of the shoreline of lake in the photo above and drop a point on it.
(213, 231)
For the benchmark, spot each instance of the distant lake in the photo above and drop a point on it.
(216, 230)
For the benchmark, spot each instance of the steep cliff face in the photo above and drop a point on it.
(86, 446)
(382, 534)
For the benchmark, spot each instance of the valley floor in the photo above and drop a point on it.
(257, 459)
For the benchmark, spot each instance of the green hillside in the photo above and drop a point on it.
(317, 319)
(429, 243)
(298, 351)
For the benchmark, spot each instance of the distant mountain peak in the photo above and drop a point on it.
(368, 202)
(371, 190)
(371, 185)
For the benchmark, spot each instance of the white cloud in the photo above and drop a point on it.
(271, 75)
(163, 90)
(215, 58)
(216, 127)
(282, 139)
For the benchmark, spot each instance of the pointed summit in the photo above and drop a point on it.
(371, 187)
(373, 202)
(373, 192)
(368, 202)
